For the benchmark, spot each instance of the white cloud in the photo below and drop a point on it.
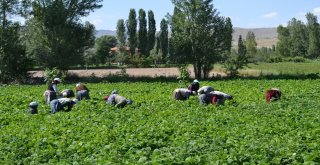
(301, 16)
(19, 19)
(316, 11)
(270, 15)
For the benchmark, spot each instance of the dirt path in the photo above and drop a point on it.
(152, 72)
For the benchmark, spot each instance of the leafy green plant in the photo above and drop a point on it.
(183, 75)
(156, 129)
(50, 74)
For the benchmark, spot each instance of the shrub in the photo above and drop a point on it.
(50, 74)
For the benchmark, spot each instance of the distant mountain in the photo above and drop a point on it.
(265, 37)
(100, 33)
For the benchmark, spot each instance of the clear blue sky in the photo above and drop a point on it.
(243, 13)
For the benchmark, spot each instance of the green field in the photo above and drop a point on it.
(289, 68)
(278, 69)
(158, 130)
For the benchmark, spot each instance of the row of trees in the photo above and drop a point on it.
(139, 34)
(54, 36)
(300, 39)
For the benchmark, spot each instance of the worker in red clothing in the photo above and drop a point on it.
(214, 97)
(273, 94)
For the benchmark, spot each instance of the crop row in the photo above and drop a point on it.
(156, 129)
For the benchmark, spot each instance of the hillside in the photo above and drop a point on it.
(265, 37)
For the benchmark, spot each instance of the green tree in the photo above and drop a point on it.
(198, 35)
(313, 29)
(13, 60)
(163, 38)
(228, 32)
(298, 38)
(103, 45)
(251, 44)
(142, 33)
(56, 36)
(284, 42)
(237, 60)
(121, 32)
(132, 31)
(151, 31)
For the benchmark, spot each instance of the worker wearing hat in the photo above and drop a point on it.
(33, 107)
(182, 94)
(117, 100)
(205, 90)
(52, 90)
(214, 97)
(82, 92)
(60, 104)
(273, 94)
(194, 86)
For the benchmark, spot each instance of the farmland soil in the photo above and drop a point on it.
(135, 72)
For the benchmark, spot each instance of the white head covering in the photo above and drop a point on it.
(33, 104)
(78, 84)
(75, 101)
(195, 81)
(57, 79)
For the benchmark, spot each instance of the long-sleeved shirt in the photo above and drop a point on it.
(117, 100)
(205, 90)
(53, 87)
(225, 96)
(181, 94)
(194, 87)
(214, 97)
(81, 87)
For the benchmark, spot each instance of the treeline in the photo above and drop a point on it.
(300, 39)
(55, 37)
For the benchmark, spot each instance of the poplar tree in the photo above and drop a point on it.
(251, 44)
(132, 31)
(163, 38)
(229, 31)
(284, 42)
(151, 31)
(298, 38)
(121, 32)
(142, 33)
(313, 29)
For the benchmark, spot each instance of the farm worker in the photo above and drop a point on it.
(33, 107)
(182, 94)
(59, 104)
(194, 86)
(273, 94)
(117, 100)
(205, 90)
(214, 97)
(67, 93)
(82, 92)
(52, 91)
